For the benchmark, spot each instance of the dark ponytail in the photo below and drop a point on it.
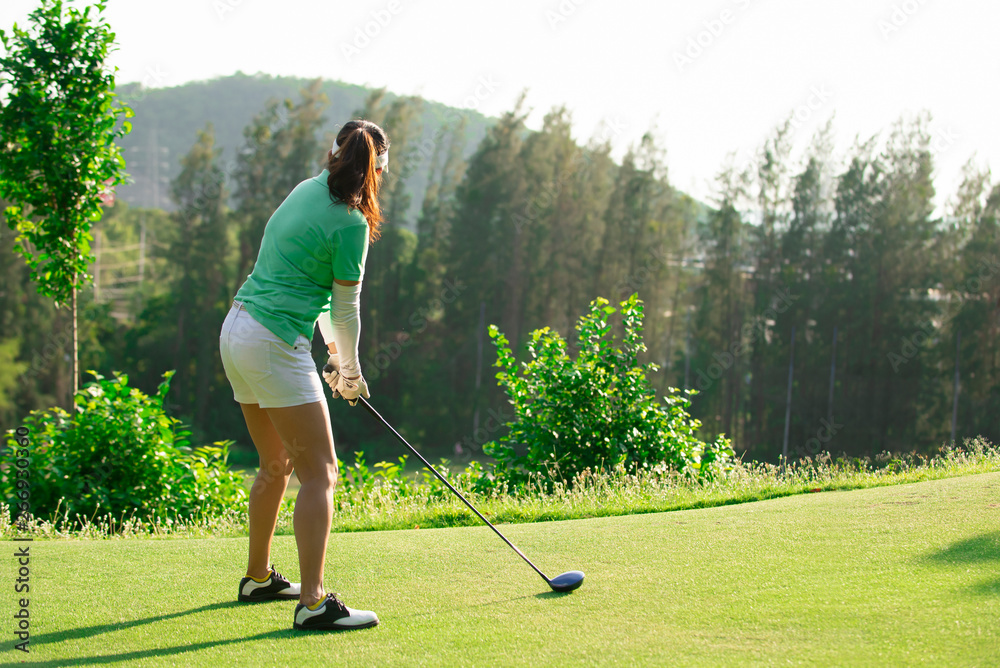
(353, 180)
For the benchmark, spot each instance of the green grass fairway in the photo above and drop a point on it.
(898, 575)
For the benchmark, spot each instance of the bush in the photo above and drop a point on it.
(596, 410)
(119, 453)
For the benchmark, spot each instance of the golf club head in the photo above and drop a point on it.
(568, 581)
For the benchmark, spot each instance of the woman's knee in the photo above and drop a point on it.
(328, 473)
(308, 441)
(324, 473)
(272, 473)
(275, 469)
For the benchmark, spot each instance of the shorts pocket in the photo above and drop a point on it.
(252, 358)
(264, 365)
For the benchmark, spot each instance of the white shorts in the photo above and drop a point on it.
(262, 368)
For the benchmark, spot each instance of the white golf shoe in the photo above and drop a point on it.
(274, 587)
(333, 615)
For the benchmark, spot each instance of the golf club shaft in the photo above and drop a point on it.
(440, 477)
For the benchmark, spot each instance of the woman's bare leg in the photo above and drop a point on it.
(268, 489)
(307, 436)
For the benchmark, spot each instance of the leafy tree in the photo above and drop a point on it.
(59, 122)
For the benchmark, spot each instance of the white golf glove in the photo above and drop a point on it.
(352, 388)
(332, 377)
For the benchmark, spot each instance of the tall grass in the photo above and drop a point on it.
(387, 499)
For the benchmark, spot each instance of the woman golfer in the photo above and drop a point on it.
(308, 272)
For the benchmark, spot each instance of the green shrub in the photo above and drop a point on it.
(119, 453)
(595, 410)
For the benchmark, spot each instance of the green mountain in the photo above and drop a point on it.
(167, 119)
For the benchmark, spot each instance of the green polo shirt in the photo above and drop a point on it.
(308, 241)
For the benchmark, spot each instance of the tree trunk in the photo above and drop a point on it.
(76, 362)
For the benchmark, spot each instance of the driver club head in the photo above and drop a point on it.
(567, 581)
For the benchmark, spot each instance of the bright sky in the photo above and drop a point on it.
(713, 77)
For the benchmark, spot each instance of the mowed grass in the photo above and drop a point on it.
(900, 575)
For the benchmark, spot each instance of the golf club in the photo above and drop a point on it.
(567, 581)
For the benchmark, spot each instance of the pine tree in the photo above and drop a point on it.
(717, 335)
(383, 313)
(485, 251)
(200, 287)
(975, 313)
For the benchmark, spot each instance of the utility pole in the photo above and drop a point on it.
(480, 333)
(788, 400)
(155, 163)
(954, 406)
(833, 375)
(97, 265)
(687, 348)
(142, 249)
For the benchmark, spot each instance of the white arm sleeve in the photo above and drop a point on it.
(325, 327)
(345, 314)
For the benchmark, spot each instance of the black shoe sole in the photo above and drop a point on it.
(242, 598)
(333, 627)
